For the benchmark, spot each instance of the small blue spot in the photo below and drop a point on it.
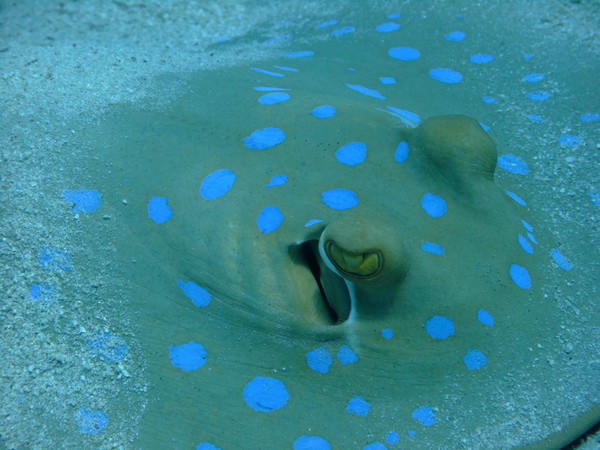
(374, 446)
(84, 200)
(485, 317)
(531, 238)
(401, 152)
(40, 291)
(569, 141)
(455, 36)
(197, 294)
(481, 58)
(264, 138)
(273, 98)
(387, 27)
(444, 75)
(590, 117)
(267, 72)
(340, 198)
(287, 69)
(352, 153)
(525, 245)
(527, 226)
(277, 180)
(269, 219)
(434, 205)
(520, 276)
(513, 164)
(394, 16)
(387, 333)
(425, 415)
(392, 438)
(346, 355)
(190, 356)
(474, 359)
(306, 442)
(536, 118)
(359, 406)
(311, 222)
(484, 126)
(328, 23)
(54, 260)
(387, 80)
(323, 111)
(158, 210)
(404, 53)
(489, 100)
(411, 433)
(595, 196)
(533, 77)
(409, 118)
(342, 31)
(319, 360)
(433, 248)
(217, 184)
(90, 422)
(109, 347)
(365, 90)
(516, 198)
(300, 54)
(538, 96)
(207, 446)
(560, 260)
(439, 327)
(265, 394)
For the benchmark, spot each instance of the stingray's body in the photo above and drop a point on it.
(401, 250)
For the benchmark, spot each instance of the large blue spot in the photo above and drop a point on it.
(538, 96)
(265, 394)
(474, 359)
(217, 184)
(346, 355)
(340, 198)
(404, 53)
(387, 27)
(84, 200)
(525, 245)
(511, 163)
(273, 98)
(54, 260)
(158, 210)
(190, 356)
(90, 422)
(439, 327)
(433, 247)
(197, 294)
(352, 153)
(455, 36)
(485, 317)
(434, 205)
(108, 347)
(300, 54)
(401, 152)
(520, 276)
(264, 138)
(481, 58)
(269, 219)
(444, 75)
(365, 90)
(306, 442)
(359, 406)
(323, 111)
(560, 260)
(425, 415)
(319, 360)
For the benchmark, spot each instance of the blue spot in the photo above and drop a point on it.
(392, 438)
(433, 248)
(439, 327)
(489, 100)
(485, 317)
(401, 152)
(425, 415)
(511, 163)
(268, 88)
(265, 394)
(516, 198)
(340, 198)
(484, 126)
(520, 276)
(434, 205)
(328, 23)
(346, 355)
(481, 58)
(311, 222)
(267, 72)
(444, 75)
(273, 98)
(404, 53)
(54, 260)
(319, 360)
(560, 260)
(352, 153)
(207, 446)
(474, 359)
(365, 90)
(84, 200)
(343, 30)
(527, 226)
(595, 196)
(264, 138)
(323, 111)
(197, 294)
(217, 184)
(387, 333)
(109, 347)
(387, 80)
(535, 118)
(90, 422)
(277, 180)
(374, 446)
(269, 219)
(300, 54)
(525, 245)
(455, 36)
(409, 118)
(40, 291)
(287, 69)
(359, 406)
(394, 16)
(590, 117)
(387, 27)
(538, 96)
(569, 141)
(411, 433)
(190, 356)
(306, 442)
(533, 77)
(531, 238)
(158, 210)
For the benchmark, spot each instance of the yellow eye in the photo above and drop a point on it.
(362, 265)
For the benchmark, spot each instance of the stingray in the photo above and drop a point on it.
(326, 249)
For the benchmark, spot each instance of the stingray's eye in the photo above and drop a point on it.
(362, 264)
